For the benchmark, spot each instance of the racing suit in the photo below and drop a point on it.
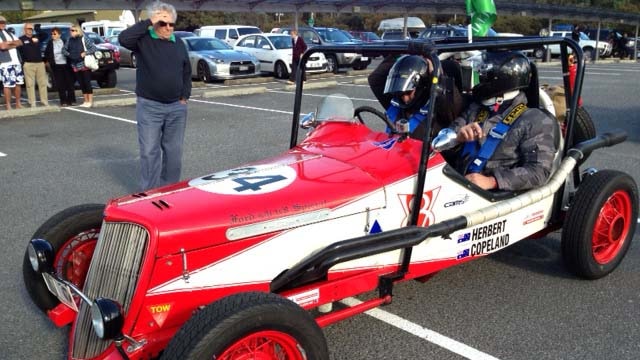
(524, 157)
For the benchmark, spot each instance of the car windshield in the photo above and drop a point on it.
(205, 44)
(281, 41)
(245, 31)
(94, 37)
(372, 36)
(333, 35)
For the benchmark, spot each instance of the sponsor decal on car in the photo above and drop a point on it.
(306, 298)
(457, 200)
(426, 215)
(250, 180)
(531, 218)
(159, 312)
(386, 144)
(486, 239)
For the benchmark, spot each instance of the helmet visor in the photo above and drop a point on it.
(399, 82)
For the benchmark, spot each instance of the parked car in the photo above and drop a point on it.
(247, 263)
(447, 30)
(104, 28)
(332, 36)
(127, 57)
(588, 46)
(213, 59)
(274, 51)
(366, 36)
(399, 35)
(182, 34)
(227, 33)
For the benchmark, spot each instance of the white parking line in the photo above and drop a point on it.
(2, 154)
(241, 106)
(101, 115)
(424, 333)
(316, 95)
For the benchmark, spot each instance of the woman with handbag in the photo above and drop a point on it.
(79, 49)
(62, 74)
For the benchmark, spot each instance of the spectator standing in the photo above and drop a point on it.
(35, 72)
(163, 86)
(62, 74)
(76, 48)
(10, 68)
(299, 47)
(575, 34)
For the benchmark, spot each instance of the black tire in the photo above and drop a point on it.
(204, 73)
(332, 64)
(539, 53)
(73, 230)
(134, 61)
(109, 80)
(584, 128)
(600, 224)
(280, 70)
(226, 324)
(588, 53)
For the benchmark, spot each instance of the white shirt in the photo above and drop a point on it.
(15, 60)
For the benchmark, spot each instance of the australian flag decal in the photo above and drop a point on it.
(386, 144)
(464, 237)
(462, 254)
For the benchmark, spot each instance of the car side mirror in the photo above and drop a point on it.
(446, 139)
(308, 121)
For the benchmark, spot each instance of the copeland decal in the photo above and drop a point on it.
(426, 215)
(457, 200)
(159, 312)
(251, 180)
(306, 298)
(538, 215)
(488, 238)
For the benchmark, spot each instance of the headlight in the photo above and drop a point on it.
(107, 319)
(98, 54)
(215, 59)
(40, 255)
(107, 55)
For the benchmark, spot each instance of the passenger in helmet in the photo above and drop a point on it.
(504, 144)
(403, 86)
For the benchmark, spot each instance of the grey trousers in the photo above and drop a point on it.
(160, 136)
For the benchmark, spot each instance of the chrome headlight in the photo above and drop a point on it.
(107, 55)
(107, 318)
(215, 60)
(40, 255)
(98, 54)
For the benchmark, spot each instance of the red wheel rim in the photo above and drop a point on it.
(264, 345)
(73, 258)
(611, 227)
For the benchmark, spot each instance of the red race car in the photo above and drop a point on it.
(228, 265)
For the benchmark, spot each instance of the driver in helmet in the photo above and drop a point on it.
(504, 144)
(403, 86)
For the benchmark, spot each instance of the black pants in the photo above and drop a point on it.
(84, 79)
(65, 81)
(294, 68)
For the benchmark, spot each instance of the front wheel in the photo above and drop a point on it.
(109, 80)
(332, 64)
(281, 70)
(600, 224)
(588, 53)
(73, 233)
(204, 73)
(251, 325)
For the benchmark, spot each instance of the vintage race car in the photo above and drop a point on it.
(229, 265)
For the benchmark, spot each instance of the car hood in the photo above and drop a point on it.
(228, 55)
(328, 176)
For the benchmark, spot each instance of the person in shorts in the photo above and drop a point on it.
(11, 73)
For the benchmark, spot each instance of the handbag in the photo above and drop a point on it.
(90, 61)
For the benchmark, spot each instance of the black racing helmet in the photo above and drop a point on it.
(501, 72)
(409, 72)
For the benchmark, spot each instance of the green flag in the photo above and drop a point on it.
(482, 14)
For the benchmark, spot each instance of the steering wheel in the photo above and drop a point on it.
(376, 112)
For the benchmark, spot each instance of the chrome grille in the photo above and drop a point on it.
(113, 274)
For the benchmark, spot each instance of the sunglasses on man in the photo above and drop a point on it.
(162, 23)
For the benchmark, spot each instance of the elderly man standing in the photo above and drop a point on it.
(33, 66)
(163, 86)
(10, 69)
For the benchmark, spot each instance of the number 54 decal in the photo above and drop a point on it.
(250, 180)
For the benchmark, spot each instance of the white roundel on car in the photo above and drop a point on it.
(248, 180)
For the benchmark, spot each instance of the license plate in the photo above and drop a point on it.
(364, 58)
(244, 67)
(61, 290)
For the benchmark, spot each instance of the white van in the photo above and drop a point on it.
(104, 28)
(227, 33)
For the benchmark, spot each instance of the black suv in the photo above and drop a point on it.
(332, 36)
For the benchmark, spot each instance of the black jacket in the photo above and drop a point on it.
(164, 70)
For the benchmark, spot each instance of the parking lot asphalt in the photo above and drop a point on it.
(520, 303)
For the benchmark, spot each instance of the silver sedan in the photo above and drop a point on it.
(213, 59)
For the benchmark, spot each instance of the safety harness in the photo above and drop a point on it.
(481, 154)
(414, 121)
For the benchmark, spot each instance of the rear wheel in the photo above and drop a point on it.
(584, 129)
(539, 53)
(109, 80)
(600, 224)
(588, 53)
(73, 233)
(280, 70)
(249, 326)
(204, 73)
(332, 64)
(134, 60)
